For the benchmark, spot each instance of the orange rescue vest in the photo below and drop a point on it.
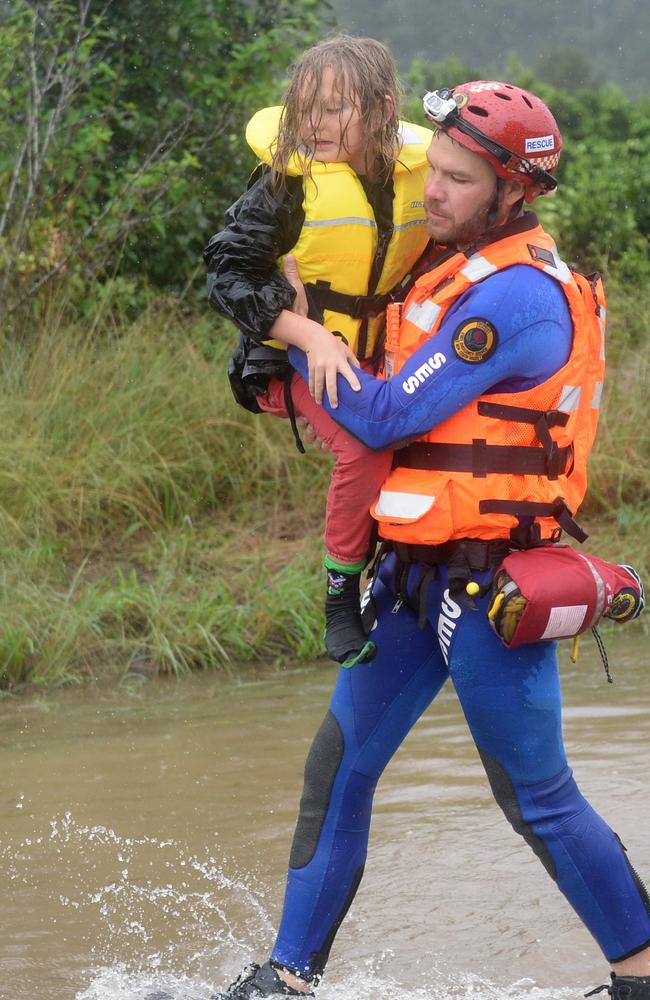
(504, 456)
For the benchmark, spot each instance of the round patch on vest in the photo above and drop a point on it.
(475, 340)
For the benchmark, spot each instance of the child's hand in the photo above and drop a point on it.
(309, 435)
(328, 356)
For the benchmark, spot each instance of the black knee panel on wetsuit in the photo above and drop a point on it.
(504, 793)
(321, 766)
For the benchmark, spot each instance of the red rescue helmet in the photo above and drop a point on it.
(507, 126)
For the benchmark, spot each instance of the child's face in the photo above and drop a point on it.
(332, 128)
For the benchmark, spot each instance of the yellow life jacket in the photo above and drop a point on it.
(504, 455)
(338, 241)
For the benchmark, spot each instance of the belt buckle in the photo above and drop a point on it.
(356, 311)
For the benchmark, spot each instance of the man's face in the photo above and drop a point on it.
(458, 193)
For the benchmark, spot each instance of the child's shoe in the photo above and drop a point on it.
(345, 637)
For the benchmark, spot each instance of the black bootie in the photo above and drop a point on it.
(258, 981)
(625, 988)
(345, 637)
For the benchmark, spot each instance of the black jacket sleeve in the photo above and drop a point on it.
(244, 283)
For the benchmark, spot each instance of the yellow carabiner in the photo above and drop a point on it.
(496, 604)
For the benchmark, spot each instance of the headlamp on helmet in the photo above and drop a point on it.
(439, 106)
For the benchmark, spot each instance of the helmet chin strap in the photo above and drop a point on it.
(493, 210)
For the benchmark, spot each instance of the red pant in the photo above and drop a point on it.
(358, 472)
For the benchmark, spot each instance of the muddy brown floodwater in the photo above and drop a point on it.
(145, 834)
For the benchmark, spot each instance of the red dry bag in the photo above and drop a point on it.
(556, 592)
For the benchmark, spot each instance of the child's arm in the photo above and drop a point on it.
(533, 333)
(327, 355)
(244, 283)
(246, 286)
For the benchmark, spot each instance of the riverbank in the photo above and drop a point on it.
(150, 525)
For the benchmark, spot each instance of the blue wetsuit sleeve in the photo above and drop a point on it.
(530, 315)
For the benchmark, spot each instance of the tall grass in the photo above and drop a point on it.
(150, 525)
(618, 504)
(144, 517)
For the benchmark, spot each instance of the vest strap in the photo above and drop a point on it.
(356, 306)
(522, 414)
(543, 421)
(528, 508)
(291, 410)
(481, 458)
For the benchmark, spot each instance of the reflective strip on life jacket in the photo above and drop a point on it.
(403, 505)
(351, 220)
(477, 268)
(424, 315)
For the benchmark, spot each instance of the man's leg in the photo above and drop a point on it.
(373, 707)
(512, 702)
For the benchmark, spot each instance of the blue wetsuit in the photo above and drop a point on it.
(530, 313)
(511, 698)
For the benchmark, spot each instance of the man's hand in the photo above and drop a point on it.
(309, 435)
(300, 305)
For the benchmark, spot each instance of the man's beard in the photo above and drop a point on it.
(470, 230)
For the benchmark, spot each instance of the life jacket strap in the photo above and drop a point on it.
(480, 458)
(558, 510)
(291, 411)
(522, 414)
(356, 306)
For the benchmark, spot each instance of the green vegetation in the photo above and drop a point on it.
(121, 139)
(148, 524)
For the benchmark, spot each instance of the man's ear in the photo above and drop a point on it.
(512, 192)
(390, 105)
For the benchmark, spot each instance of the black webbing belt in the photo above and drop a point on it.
(481, 458)
(477, 553)
(461, 558)
(557, 509)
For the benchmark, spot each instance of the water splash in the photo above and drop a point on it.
(140, 908)
(151, 914)
(364, 984)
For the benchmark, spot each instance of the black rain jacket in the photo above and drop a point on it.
(244, 282)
